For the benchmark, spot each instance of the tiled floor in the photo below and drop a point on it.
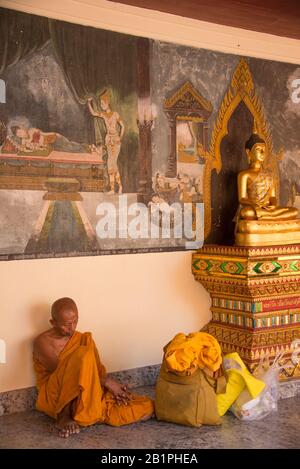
(279, 430)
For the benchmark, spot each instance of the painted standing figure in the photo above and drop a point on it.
(114, 133)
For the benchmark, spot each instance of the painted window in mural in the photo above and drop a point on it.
(111, 143)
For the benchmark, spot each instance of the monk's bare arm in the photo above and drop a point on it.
(44, 352)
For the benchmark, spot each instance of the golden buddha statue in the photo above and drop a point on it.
(259, 220)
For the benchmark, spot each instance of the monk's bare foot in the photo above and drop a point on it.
(67, 426)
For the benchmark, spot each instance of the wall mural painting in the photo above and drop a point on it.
(110, 143)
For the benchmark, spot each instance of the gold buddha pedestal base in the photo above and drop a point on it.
(267, 233)
(255, 295)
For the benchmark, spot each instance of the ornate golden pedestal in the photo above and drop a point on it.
(263, 233)
(255, 295)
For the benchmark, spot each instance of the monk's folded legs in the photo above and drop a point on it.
(74, 390)
(138, 409)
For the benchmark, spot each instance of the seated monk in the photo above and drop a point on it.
(256, 188)
(72, 383)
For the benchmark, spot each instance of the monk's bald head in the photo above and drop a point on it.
(62, 305)
(64, 319)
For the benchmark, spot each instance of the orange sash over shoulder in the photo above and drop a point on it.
(78, 378)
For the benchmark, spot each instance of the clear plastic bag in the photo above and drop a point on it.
(246, 408)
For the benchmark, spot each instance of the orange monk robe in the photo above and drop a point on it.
(77, 376)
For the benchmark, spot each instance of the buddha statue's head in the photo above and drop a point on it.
(256, 149)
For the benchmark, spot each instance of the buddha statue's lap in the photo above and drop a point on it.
(260, 221)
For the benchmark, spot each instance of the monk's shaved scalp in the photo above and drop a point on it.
(62, 304)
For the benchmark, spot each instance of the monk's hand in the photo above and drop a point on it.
(124, 395)
(119, 391)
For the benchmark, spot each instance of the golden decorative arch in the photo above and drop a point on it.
(240, 89)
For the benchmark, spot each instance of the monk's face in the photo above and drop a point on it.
(66, 322)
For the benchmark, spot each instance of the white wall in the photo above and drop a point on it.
(133, 303)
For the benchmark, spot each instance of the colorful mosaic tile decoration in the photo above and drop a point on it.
(255, 296)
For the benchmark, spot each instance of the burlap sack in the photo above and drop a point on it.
(186, 400)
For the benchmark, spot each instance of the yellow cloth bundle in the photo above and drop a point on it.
(186, 353)
(238, 377)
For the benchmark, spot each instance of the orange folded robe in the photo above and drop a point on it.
(186, 353)
(77, 376)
